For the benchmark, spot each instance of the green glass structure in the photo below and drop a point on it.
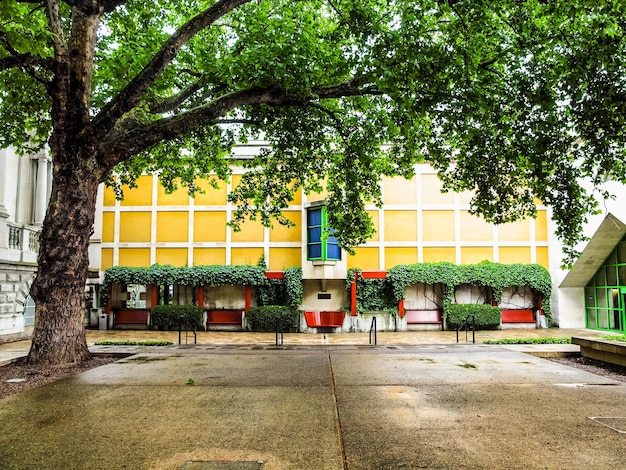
(605, 294)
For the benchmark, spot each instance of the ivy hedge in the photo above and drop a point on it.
(383, 294)
(265, 318)
(206, 275)
(167, 317)
(288, 291)
(485, 316)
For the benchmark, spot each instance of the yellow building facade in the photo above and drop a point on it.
(418, 223)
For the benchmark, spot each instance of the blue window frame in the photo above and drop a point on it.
(321, 244)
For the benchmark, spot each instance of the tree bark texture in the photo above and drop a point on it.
(59, 289)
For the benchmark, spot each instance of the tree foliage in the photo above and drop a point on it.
(513, 100)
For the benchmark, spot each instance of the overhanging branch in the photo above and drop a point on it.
(131, 137)
(28, 62)
(128, 98)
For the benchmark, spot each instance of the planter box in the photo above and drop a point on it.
(605, 350)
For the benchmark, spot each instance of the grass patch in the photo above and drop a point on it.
(547, 340)
(134, 343)
(465, 365)
(621, 338)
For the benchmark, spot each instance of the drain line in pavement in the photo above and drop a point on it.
(337, 419)
(616, 423)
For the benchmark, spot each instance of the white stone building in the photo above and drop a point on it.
(24, 191)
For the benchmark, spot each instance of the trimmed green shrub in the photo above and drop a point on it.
(486, 316)
(264, 318)
(547, 340)
(621, 338)
(167, 317)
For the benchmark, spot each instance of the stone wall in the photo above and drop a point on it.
(15, 282)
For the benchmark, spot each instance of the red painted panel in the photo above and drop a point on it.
(248, 300)
(201, 296)
(324, 319)
(518, 316)
(154, 296)
(374, 274)
(132, 316)
(224, 317)
(274, 274)
(401, 308)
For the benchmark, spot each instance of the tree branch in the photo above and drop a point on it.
(56, 28)
(251, 122)
(169, 104)
(26, 61)
(110, 5)
(127, 98)
(131, 136)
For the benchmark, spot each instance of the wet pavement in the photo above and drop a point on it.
(238, 401)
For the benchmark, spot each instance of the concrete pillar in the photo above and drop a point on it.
(4, 214)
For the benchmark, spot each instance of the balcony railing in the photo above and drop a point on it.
(15, 238)
(23, 243)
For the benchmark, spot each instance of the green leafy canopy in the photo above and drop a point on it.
(513, 100)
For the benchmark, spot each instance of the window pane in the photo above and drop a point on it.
(333, 251)
(591, 318)
(136, 296)
(601, 298)
(611, 279)
(315, 235)
(622, 275)
(314, 251)
(601, 277)
(314, 217)
(602, 319)
(614, 320)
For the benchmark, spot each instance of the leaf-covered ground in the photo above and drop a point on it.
(37, 375)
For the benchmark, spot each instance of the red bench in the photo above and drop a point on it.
(424, 317)
(224, 317)
(134, 316)
(324, 319)
(518, 316)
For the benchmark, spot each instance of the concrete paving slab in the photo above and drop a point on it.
(477, 426)
(224, 368)
(457, 364)
(78, 425)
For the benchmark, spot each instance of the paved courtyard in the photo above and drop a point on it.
(239, 405)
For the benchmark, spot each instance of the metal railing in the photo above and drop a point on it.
(182, 319)
(465, 325)
(373, 329)
(280, 339)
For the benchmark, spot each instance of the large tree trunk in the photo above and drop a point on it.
(59, 289)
